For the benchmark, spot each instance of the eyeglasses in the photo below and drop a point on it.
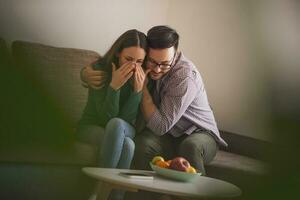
(163, 66)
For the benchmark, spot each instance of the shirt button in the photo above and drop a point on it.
(194, 74)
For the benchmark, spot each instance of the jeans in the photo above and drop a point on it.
(115, 142)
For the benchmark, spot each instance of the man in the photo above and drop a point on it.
(178, 118)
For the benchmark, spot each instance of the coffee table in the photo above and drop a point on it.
(200, 187)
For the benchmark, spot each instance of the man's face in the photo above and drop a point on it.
(159, 61)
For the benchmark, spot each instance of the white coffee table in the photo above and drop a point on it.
(200, 187)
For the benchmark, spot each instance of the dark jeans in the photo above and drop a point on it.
(199, 148)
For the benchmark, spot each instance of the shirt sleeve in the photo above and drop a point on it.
(130, 108)
(106, 103)
(174, 103)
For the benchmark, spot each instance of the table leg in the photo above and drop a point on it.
(104, 189)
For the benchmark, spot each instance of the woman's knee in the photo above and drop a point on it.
(119, 127)
(115, 123)
(115, 127)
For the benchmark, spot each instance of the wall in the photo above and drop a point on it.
(87, 24)
(215, 35)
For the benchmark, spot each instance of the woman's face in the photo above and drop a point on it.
(136, 55)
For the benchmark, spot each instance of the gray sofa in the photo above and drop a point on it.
(40, 157)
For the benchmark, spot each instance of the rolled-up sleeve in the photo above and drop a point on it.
(178, 97)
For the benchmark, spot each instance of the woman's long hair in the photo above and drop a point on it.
(131, 38)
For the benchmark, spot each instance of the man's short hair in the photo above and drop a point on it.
(162, 37)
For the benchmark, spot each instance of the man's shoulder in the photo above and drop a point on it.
(185, 68)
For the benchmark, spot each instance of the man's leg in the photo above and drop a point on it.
(148, 145)
(199, 149)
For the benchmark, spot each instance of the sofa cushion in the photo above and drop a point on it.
(226, 160)
(56, 72)
(243, 171)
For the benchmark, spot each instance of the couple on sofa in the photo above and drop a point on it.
(146, 99)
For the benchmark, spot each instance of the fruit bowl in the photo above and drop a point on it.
(174, 174)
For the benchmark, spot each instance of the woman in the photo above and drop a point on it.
(110, 111)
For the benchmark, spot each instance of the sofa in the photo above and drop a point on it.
(43, 100)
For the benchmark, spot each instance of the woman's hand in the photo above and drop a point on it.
(94, 78)
(140, 79)
(120, 76)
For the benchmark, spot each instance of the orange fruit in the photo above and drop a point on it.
(191, 170)
(169, 162)
(156, 159)
(162, 164)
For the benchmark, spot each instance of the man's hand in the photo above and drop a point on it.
(140, 79)
(147, 105)
(120, 76)
(94, 78)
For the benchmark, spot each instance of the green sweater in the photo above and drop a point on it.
(107, 103)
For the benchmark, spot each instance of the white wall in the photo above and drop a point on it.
(215, 35)
(223, 39)
(87, 24)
